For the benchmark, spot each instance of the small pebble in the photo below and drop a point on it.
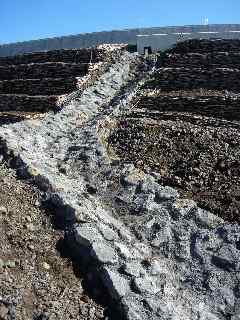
(37, 203)
(10, 264)
(30, 227)
(3, 312)
(3, 210)
(28, 218)
(31, 247)
(46, 266)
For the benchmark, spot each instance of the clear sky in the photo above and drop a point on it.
(33, 19)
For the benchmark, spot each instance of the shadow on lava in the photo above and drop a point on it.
(84, 268)
(9, 119)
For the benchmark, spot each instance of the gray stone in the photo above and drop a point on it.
(134, 269)
(4, 311)
(181, 232)
(228, 296)
(161, 212)
(227, 258)
(159, 230)
(123, 250)
(107, 232)
(230, 233)
(152, 304)
(215, 277)
(182, 207)
(141, 250)
(147, 285)
(204, 243)
(141, 202)
(3, 210)
(149, 185)
(132, 178)
(206, 219)
(102, 252)
(207, 315)
(134, 308)
(86, 234)
(157, 267)
(116, 284)
(166, 193)
(127, 252)
(182, 250)
(125, 234)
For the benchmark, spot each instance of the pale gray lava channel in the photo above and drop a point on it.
(160, 257)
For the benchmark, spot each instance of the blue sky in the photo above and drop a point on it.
(33, 19)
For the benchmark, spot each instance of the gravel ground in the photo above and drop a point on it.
(189, 93)
(37, 279)
(197, 155)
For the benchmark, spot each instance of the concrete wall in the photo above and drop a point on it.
(165, 41)
(93, 39)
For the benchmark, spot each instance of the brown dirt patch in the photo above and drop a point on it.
(35, 281)
(199, 156)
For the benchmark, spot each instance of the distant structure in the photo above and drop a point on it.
(205, 21)
(162, 41)
(157, 38)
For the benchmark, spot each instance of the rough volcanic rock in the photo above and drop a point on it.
(205, 60)
(22, 102)
(214, 104)
(199, 156)
(159, 255)
(43, 70)
(65, 55)
(206, 45)
(46, 86)
(194, 78)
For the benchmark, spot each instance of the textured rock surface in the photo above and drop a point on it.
(224, 106)
(159, 256)
(204, 45)
(197, 155)
(22, 102)
(39, 82)
(43, 70)
(208, 60)
(67, 56)
(192, 78)
(36, 281)
(46, 86)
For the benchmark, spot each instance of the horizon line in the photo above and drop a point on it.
(113, 30)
